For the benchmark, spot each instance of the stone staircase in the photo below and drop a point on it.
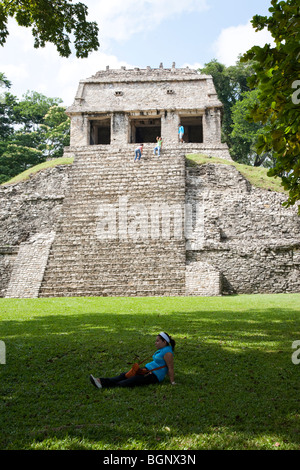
(29, 266)
(109, 241)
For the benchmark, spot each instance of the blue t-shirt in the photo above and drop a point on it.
(181, 130)
(158, 360)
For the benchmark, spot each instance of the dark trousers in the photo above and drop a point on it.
(135, 381)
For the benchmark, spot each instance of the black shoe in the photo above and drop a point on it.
(95, 381)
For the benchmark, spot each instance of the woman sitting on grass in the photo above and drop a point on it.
(153, 372)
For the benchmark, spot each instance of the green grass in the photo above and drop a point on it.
(25, 175)
(237, 387)
(257, 176)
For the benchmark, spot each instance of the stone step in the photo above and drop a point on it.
(72, 266)
(113, 292)
(114, 283)
(111, 267)
(29, 267)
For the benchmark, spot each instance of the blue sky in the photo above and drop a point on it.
(137, 33)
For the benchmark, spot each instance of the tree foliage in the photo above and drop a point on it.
(231, 85)
(6, 102)
(277, 72)
(31, 130)
(54, 21)
(246, 133)
(56, 132)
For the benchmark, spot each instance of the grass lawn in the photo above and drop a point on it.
(237, 387)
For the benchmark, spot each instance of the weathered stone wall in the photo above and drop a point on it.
(32, 206)
(243, 232)
(27, 209)
(202, 279)
(7, 258)
(145, 89)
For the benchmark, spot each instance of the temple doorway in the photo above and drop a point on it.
(193, 129)
(100, 132)
(145, 130)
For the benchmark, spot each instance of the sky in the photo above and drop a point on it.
(136, 33)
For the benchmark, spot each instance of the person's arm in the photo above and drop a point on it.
(168, 357)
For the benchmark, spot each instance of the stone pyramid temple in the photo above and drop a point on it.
(110, 225)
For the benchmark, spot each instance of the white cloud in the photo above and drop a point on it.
(15, 72)
(70, 71)
(194, 66)
(22, 36)
(119, 19)
(237, 40)
(45, 71)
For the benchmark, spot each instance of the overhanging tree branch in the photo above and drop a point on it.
(276, 69)
(56, 21)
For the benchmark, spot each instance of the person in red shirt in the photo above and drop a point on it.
(138, 152)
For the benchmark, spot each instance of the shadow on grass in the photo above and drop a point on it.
(236, 384)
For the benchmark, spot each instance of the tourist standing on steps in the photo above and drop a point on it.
(180, 132)
(138, 152)
(158, 146)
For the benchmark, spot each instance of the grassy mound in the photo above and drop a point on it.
(25, 175)
(257, 176)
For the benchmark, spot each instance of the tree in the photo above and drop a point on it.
(31, 110)
(56, 132)
(276, 75)
(16, 159)
(4, 81)
(245, 133)
(230, 83)
(52, 21)
(6, 105)
(31, 130)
